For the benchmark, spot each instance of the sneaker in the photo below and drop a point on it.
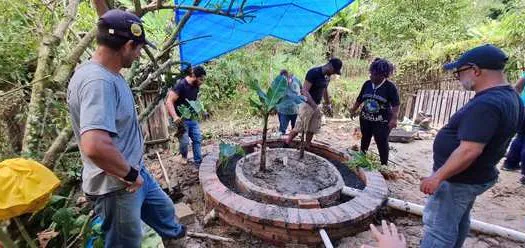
(182, 160)
(176, 242)
(522, 180)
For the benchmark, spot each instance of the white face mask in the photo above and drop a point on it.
(468, 84)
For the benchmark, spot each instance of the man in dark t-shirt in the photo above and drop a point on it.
(187, 89)
(468, 148)
(315, 88)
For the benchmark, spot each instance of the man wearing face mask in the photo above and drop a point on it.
(468, 148)
(187, 89)
(105, 123)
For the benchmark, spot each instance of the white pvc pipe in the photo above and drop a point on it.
(326, 239)
(475, 225)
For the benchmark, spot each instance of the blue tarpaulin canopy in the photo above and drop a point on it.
(214, 35)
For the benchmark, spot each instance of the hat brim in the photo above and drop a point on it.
(451, 66)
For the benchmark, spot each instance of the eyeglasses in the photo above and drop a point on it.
(457, 72)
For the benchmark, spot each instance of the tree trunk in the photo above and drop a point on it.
(303, 145)
(58, 146)
(44, 69)
(263, 146)
(65, 70)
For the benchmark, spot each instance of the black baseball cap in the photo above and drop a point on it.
(337, 64)
(485, 57)
(123, 24)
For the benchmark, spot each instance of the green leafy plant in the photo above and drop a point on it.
(227, 151)
(266, 102)
(367, 161)
(192, 111)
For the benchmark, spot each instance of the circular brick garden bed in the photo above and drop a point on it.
(283, 224)
(309, 182)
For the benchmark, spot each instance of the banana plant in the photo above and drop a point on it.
(192, 111)
(266, 102)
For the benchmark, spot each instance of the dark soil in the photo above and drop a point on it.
(349, 177)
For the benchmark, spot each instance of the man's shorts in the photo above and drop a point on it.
(309, 119)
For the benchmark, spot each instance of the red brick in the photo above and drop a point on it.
(309, 204)
(254, 227)
(233, 221)
(329, 217)
(276, 215)
(265, 235)
(292, 220)
(349, 210)
(280, 234)
(307, 222)
(256, 213)
(319, 219)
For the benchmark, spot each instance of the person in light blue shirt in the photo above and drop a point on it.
(288, 112)
(516, 154)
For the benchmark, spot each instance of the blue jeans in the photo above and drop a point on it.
(284, 120)
(192, 132)
(123, 212)
(516, 154)
(446, 216)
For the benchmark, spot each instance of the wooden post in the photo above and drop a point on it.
(155, 128)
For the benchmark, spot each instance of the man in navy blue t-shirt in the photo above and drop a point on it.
(468, 148)
(187, 89)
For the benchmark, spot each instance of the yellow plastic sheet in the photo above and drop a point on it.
(25, 186)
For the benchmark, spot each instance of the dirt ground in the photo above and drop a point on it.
(503, 205)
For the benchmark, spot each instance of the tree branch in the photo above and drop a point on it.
(153, 7)
(70, 13)
(101, 6)
(44, 68)
(64, 71)
(178, 29)
(138, 7)
(166, 65)
(164, 52)
(58, 146)
(151, 56)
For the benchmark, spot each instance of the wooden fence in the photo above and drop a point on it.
(440, 104)
(155, 128)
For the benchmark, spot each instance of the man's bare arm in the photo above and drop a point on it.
(98, 146)
(306, 92)
(170, 104)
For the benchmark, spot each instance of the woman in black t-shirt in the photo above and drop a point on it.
(380, 100)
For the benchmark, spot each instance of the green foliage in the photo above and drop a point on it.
(18, 40)
(226, 90)
(191, 111)
(367, 161)
(227, 151)
(268, 100)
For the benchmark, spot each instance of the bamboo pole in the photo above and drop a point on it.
(475, 225)
(165, 173)
(209, 236)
